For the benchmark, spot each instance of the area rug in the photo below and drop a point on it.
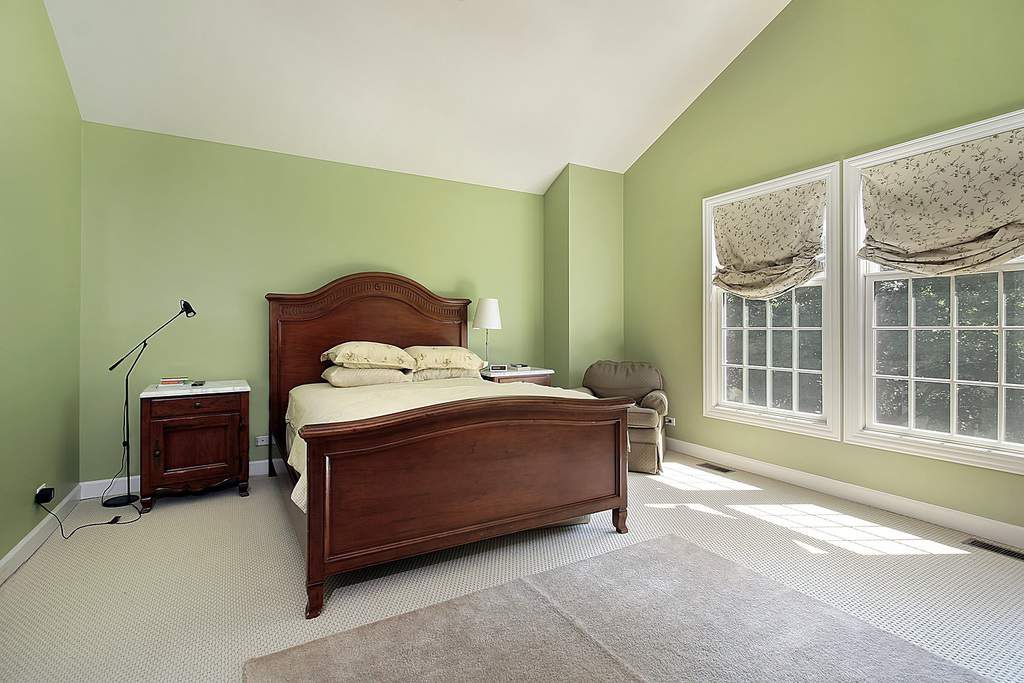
(663, 610)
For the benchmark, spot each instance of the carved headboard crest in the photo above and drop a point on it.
(381, 307)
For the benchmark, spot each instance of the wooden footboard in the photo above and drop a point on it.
(413, 482)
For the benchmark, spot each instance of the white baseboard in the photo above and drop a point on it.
(28, 545)
(95, 488)
(974, 525)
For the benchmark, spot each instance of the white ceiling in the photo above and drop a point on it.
(499, 93)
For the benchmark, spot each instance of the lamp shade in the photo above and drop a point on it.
(487, 315)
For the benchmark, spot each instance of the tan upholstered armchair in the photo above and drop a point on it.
(643, 383)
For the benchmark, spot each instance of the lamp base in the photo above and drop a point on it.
(120, 501)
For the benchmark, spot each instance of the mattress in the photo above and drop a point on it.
(319, 403)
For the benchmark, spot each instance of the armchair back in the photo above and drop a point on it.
(632, 379)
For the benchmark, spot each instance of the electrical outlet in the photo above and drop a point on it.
(44, 494)
(670, 421)
(262, 440)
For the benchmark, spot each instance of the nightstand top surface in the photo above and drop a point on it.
(529, 372)
(217, 386)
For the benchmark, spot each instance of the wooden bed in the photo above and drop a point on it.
(398, 485)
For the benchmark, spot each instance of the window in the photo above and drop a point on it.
(773, 351)
(774, 362)
(934, 364)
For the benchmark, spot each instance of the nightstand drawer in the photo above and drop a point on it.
(196, 405)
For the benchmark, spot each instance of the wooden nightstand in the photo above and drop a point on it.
(532, 375)
(194, 438)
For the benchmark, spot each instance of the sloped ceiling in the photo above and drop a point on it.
(499, 93)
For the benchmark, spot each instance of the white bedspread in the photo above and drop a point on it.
(318, 403)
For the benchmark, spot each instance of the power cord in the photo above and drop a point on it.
(114, 521)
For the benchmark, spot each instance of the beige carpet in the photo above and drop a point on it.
(205, 583)
(663, 610)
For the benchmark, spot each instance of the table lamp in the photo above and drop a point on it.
(487, 318)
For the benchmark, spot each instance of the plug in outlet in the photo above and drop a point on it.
(262, 440)
(670, 421)
(44, 494)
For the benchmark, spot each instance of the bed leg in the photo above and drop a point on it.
(619, 520)
(314, 599)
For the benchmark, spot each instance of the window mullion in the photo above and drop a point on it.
(1000, 362)
(911, 358)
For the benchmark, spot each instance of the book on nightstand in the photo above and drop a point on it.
(173, 382)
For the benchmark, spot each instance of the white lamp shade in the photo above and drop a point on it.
(487, 315)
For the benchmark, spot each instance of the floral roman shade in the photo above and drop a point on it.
(770, 243)
(959, 209)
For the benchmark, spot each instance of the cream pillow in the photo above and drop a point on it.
(361, 377)
(446, 357)
(364, 354)
(443, 373)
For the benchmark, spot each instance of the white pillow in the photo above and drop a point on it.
(444, 357)
(364, 354)
(361, 377)
(443, 373)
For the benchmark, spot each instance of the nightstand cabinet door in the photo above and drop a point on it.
(200, 449)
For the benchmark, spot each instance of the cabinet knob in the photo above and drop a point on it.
(156, 454)
(197, 404)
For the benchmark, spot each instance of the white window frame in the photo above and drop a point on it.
(858, 366)
(827, 425)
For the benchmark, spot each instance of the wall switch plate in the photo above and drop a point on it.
(262, 440)
(670, 421)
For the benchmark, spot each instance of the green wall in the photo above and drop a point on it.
(166, 218)
(824, 81)
(583, 271)
(40, 181)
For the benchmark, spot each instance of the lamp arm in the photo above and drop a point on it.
(141, 343)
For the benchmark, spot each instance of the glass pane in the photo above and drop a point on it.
(931, 406)
(931, 301)
(891, 352)
(977, 355)
(757, 315)
(1015, 415)
(757, 341)
(733, 311)
(782, 310)
(734, 385)
(931, 353)
(891, 303)
(810, 393)
(757, 387)
(977, 299)
(1013, 290)
(809, 350)
(734, 347)
(1015, 356)
(891, 402)
(808, 306)
(976, 411)
(782, 390)
(782, 349)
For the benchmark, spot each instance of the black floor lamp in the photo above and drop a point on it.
(126, 464)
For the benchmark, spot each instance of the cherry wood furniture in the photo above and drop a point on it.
(533, 376)
(193, 439)
(398, 485)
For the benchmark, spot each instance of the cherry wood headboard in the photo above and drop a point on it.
(379, 307)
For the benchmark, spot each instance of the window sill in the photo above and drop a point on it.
(989, 457)
(796, 424)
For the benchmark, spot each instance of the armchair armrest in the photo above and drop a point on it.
(657, 401)
(584, 390)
